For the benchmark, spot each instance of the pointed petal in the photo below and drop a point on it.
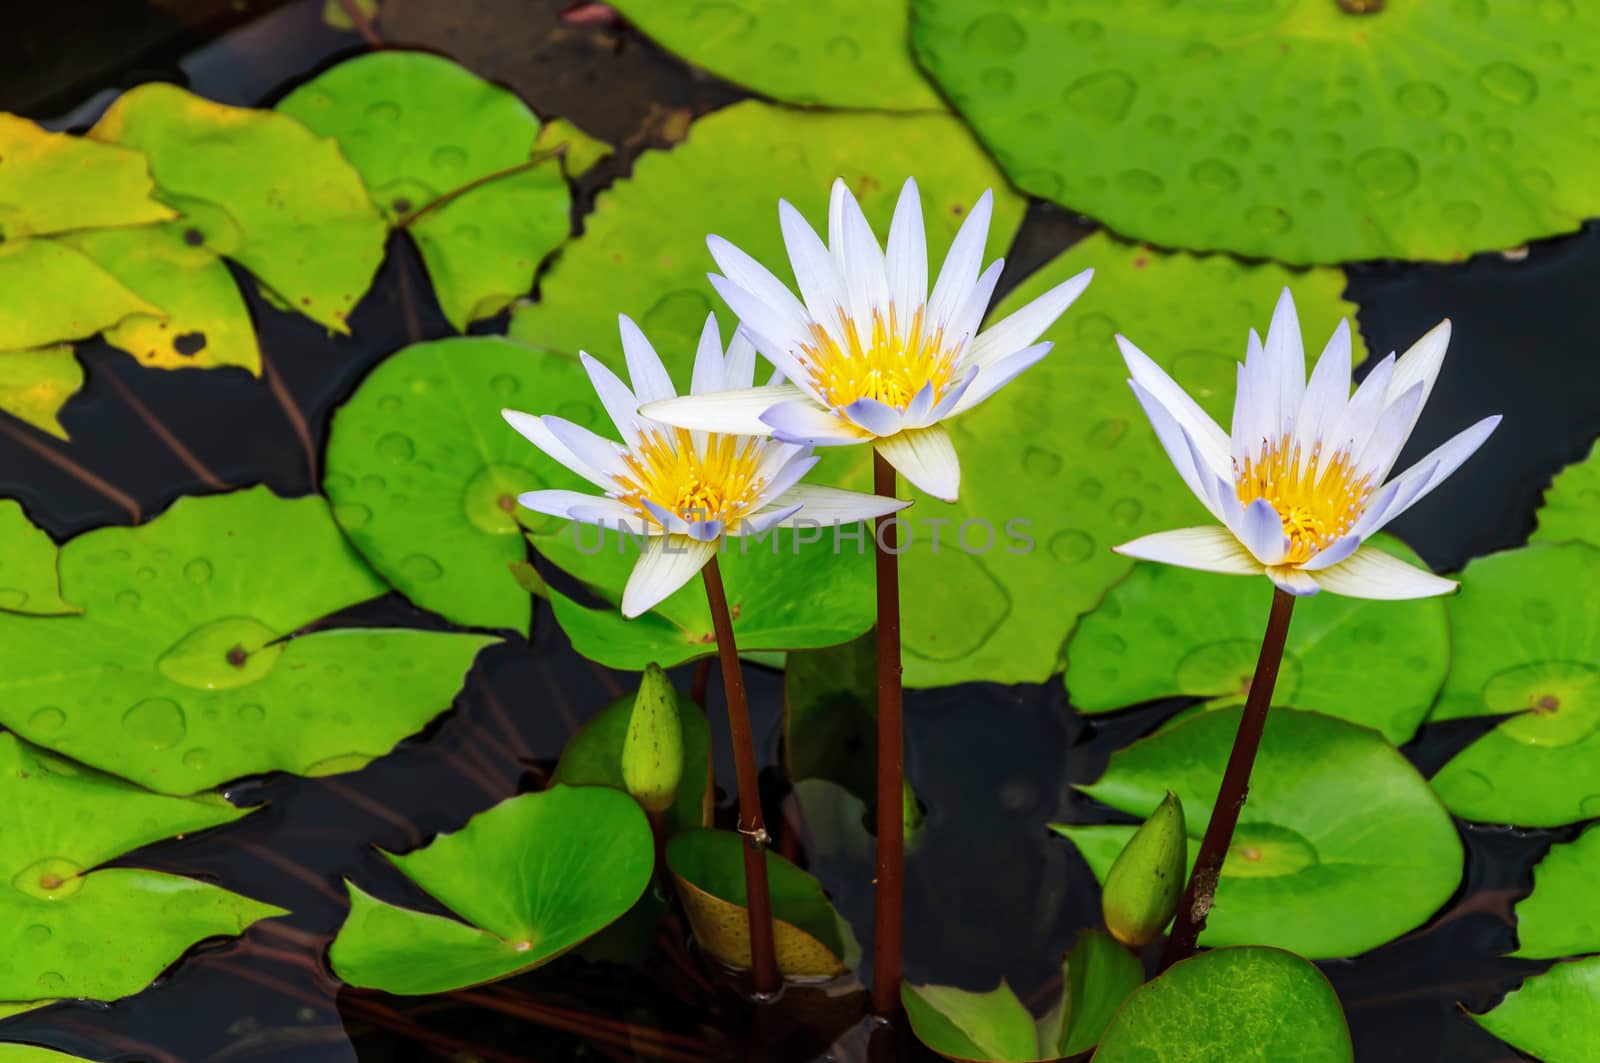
(1261, 531)
(649, 376)
(969, 315)
(865, 280)
(739, 367)
(1292, 580)
(760, 521)
(814, 268)
(1420, 364)
(665, 564)
(873, 416)
(1378, 451)
(1430, 471)
(961, 263)
(774, 338)
(1021, 327)
(1371, 573)
(1192, 468)
(907, 260)
(920, 406)
(830, 506)
(807, 424)
(668, 521)
(996, 375)
(949, 401)
(1326, 395)
(733, 412)
(621, 405)
(561, 503)
(927, 458)
(708, 371)
(1209, 548)
(595, 452)
(1285, 361)
(1333, 553)
(1210, 440)
(1361, 413)
(786, 477)
(534, 431)
(745, 272)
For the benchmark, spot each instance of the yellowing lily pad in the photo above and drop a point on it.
(1227, 1005)
(419, 128)
(527, 880)
(184, 669)
(55, 182)
(1557, 919)
(28, 582)
(1290, 129)
(831, 53)
(260, 189)
(34, 385)
(1335, 817)
(1554, 1016)
(1167, 631)
(68, 296)
(1571, 507)
(1526, 635)
(580, 151)
(69, 930)
(809, 937)
(15, 1053)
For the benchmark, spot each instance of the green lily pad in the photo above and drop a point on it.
(1378, 664)
(55, 182)
(1554, 1016)
(73, 931)
(1288, 130)
(1228, 1005)
(809, 937)
(529, 879)
(28, 582)
(34, 385)
(260, 189)
(68, 296)
(1526, 636)
(1556, 920)
(1097, 975)
(1571, 507)
(15, 1053)
(424, 474)
(1335, 817)
(580, 151)
(184, 670)
(593, 757)
(644, 245)
(418, 127)
(832, 53)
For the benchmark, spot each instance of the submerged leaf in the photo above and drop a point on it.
(56, 182)
(593, 757)
(962, 1025)
(28, 581)
(34, 385)
(830, 715)
(527, 880)
(1554, 1016)
(69, 297)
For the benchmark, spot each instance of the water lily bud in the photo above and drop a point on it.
(652, 752)
(1146, 880)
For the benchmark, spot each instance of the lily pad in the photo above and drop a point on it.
(580, 151)
(419, 128)
(527, 880)
(73, 931)
(1554, 1016)
(1335, 817)
(1228, 1005)
(1291, 129)
(1555, 920)
(1526, 635)
(15, 1053)
(644, 245)
(1571, 507)
(56, 182)
(1168, 631)
(69, 297)
(261, 189)
(810, 938)
(28, 582)
(831, 53)
(1097, 976)
(34, 385)
(184, 669)
(593, 757)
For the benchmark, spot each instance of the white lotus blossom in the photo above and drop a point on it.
(869, 353)
(685, 490)
(1299, 486)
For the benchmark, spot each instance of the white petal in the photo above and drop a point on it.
(1208, 548)
(774, 338)
(1250, 418)
(1420, 364)
(739, 367)
(927, 458)
(997, 374)
(708, 370)
(1361, 413)
(760, 521)
(1325, 396)
(873, 416)
(559, 503)
(1333, 553)
(961, 263)
(969, 315)
(595, 452)
(734, 412)
(1378, 452)
(949, 400)
(1371, 573)
(907, 260)
(645, 371)
(865, 281)
(1261, 531)
(1177, 443)
(745, 272)
(838, 192)
(814, 268)
(1293, 580)
(621, 405)
(807, 424)
(921, 405)
(534, 431)
(1285, 362)
(787, 476)
(610, 513)
(1430, 471)
(829, 506)
(665, 564)
(1211, 441)
(1021, 327)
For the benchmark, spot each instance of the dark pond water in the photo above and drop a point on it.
(990, 894)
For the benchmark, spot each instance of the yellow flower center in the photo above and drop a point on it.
(1318, 505)
(716, 482)
(898, 361)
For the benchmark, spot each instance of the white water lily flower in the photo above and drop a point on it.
(683, 489)
(870, 354)
(1300, 485)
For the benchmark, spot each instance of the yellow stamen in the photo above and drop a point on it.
(896, 363)
(1318, 504)
(716, 483)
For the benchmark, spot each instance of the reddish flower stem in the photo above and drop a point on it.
(889, 913)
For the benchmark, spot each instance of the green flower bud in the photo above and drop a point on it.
(1146, 880)
(652, 751)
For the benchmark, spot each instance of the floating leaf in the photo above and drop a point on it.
(13, 1053)
(423, 473)
(1571, 507)
(203, 321)
(1227, 1005)
(810, 938)
(419, 128)
(1289, 130)
(1526, 635)
(28, 582)
(260, 189)
(529, 879)
(34, 385)
(581, 151)
(68, 296)
(184, 670)
(55, 182)
(829, 53)
(593, 757)
(1197, 633)
(1554, 1016)
(72, 931)
(830, 715)
(1098, 974)
(1335, 817)
(1554, 920)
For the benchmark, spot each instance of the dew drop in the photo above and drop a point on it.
(250, 713)
(1269, 221)
(374, 482)
(504, 385)
(1498, 138)
(1422, 99)
(128, 599)
(421, 568)
(1126, 510)
(47, 720)
(1071, 546)
(1107, 434)
(843, 50)
(1039, 462)
(1095, 328)
(1214, 176)
(155, 723)
(52, 982)
(36, 935)
(396, 446)
(1141, 183)
(1089, 487)
(782, 53)
(197, 758)
(683, 312)
(1103, 97)
(1508, 83)
(382, 111)
(352, 516)
(197, 571)
(387, 404)
(449, 157)
(997, 81)
(996, 35)
(1386, 172)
